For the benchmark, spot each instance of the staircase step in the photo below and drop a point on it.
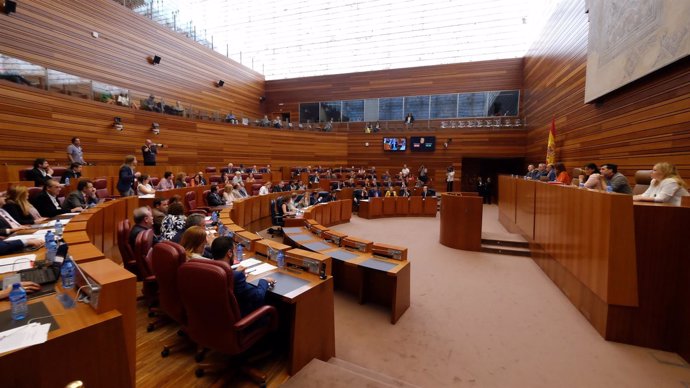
(506, 243)
(377, 376)
(506, 250)
(319, 374)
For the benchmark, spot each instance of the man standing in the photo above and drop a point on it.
(73, 173)
(617, 181)
(74, 152)
(149, 151)
(83, 197)
(409, 121)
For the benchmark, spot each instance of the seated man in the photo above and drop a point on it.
(143, 220)
(46, 202)
(192, 220)
(249, 296)
(82, 198)
(265, 189)
(213, 198)
(617, 181)
(167, 182)
(159, 211)
(41, 172)
(73, 173)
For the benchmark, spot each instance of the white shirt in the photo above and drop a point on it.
(405, 171)
(450, 175)
(263, 190)
(667, 190)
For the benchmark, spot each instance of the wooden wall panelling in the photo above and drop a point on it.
(58, 35)
(635, 126)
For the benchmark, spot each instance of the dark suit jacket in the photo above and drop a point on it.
(16, 213)
(214, 199)
(45, 206)
(76, 199)
(3, 227)
(7, 247)
(126, 178)
(71, 175)
(38, 178)
(248, 296)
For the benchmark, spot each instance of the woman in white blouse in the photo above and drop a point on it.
(667, 186)
(591, 178)
(144, 186)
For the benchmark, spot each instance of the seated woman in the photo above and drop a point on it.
(227, 194)
(390, 191)
(562, 175)
(237, 192)
(667, 186)
(250, 179)
(173, 222)
(194, 242)
(305, 201)
(289, 206)
(591, 178)
(144, 187)
(197, 180)
(18, 206)
(224, 178)
(180, 180)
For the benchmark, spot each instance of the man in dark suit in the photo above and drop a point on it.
(143, 220)
(73, 173)
(249, 296)
(426, 193)
(82, 198)
(46, 202)
(41, 172)
(213, 198)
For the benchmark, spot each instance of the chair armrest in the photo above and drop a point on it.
(256, 315)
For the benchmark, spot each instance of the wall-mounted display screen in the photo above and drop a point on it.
(422, 143)
(394, 144)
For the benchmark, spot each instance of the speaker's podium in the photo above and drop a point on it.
(461, 221)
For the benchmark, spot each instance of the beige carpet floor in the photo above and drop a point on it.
(485, 320)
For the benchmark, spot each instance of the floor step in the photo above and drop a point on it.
(506, 250)
(380, 377)
(506, 243)
(319, 374)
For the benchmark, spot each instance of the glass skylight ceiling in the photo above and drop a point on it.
(299, 38)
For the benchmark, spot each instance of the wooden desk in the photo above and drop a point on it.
(389, 206)
(461, 222)
(620, 264)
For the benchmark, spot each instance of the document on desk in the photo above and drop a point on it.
(24, 336)
(247, 263)
(259, 269)
(51, 224)
(16, 263)
(39, 234)
(147, 196)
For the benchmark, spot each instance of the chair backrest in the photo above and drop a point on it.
(154, 181)
(34, 191)
(190, 200)
(24, 175)
(166, 258)
(210, 169)
(210, 324)
(643, 178)
(142, 248)
(100, 183)
(123, 230)
(205, 197)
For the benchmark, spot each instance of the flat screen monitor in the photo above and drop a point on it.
(394, 144)
(422, 143)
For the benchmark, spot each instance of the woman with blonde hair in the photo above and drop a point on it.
(667, 186)
(180, 180)
(19, 208)
(194, 241)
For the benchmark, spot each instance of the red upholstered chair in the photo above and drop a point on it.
(154, 180)
(255, 188)
(130, 263)
(24, 174)
(58, 172)
(643, 178)
(214, 179)
(210, 169)
(166, 258)
(34, 191)
(216, 323)
(191, 205)
(142, 254)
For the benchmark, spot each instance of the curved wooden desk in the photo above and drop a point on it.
(461, 221)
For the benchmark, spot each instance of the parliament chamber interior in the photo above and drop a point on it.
(332, 187)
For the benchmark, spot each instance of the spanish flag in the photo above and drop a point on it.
(551, 146)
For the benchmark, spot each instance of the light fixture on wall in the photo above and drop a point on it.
(447, 143)
(155, 128)
(10, 7)
(220, 84)
(117, 124)
(366, 144)
(156, 60)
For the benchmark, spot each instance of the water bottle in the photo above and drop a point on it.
(51, 250)
(49, 237)
(281, 259)
(67, 273)
(582, 185)
(609, 189)
(221, 229)
(18, 302)
(67, 181)
(214, 217)
(58, 229)
(239, 253)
